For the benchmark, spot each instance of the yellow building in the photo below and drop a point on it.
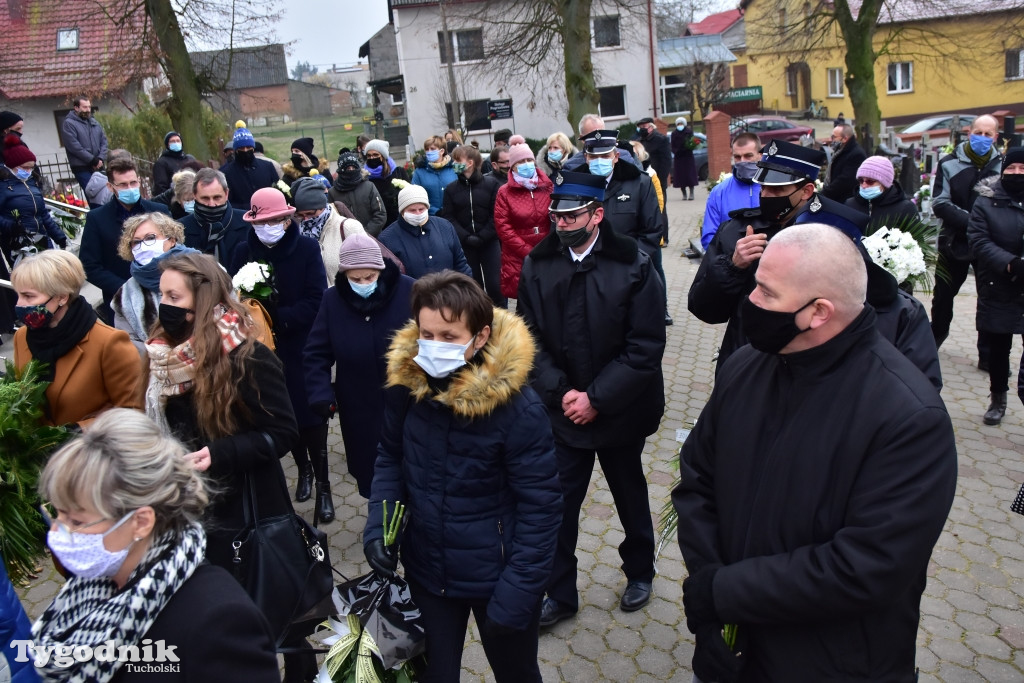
(926, 63)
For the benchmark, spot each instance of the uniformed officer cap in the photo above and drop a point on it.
(838, 215)
(783, 163)
(600, 141)
(574, 191)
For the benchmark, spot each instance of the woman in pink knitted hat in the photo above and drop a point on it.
(880, 196)
(521, 212)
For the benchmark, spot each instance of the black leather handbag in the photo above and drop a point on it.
(282, 563)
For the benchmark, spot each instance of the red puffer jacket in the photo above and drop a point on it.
(521, 219)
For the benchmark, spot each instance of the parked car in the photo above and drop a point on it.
(770, 128)
(937, 127)
(700, 156)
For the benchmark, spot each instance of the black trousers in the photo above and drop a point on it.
(512, 656)
(942, 301)
(485, 263)
(625, 476)
(999, 346)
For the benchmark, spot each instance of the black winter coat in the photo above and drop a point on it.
(388, 192)
(996, 233)
(265, 433)
(244, 180)
(300, 281)
(842, 172)
(600, 328)
(165, 167)
(473, 459)
(469, 206)
(659, 155)
(223, 248)
(631, 206)
(364, 202)
(954, 194)
(822, 512)
(211, 601)
(719, 288)
(891, 208)
(353, 334)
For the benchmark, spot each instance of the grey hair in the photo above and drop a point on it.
(830, 266)
(121, 463)
(590, 118)
(182, 182)
(205, 176)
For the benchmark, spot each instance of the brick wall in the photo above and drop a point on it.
(716, 127)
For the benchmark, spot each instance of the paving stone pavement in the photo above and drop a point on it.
(972, 626)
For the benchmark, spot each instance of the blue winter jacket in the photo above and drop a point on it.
(14, 625)
(434, 181)
(728, 195)
(429, 248)
(473, 460)
(25, 197)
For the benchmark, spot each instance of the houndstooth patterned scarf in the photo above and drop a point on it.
(93, 611)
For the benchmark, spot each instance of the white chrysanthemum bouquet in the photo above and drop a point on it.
(253, 279)
(898, 252)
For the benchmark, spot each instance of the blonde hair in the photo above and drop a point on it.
(436, 141)
(164, 224)
(639, 151)
(123, 463)
(52, 272)
(182, 182)
(561, 140)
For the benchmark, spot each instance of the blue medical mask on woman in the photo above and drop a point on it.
(22, 174)
(189, 206)
(870, 193)
(363, 289)
(980, 144)
(433, 155)
(554, 155)
(601, 167)
(527, 169)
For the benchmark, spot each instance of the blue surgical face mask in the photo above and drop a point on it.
(174, 146)
(363, 290)
(130, 196)
(870, 193)
(980, 144)
(554, 155)
(189, 206)
(601, 167)
(433, 155)
(22, 174)
(680, 128)
(527, 169)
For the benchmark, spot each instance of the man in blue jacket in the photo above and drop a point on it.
(84, 141)
(738, 191)
(104, 267)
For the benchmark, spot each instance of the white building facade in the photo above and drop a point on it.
(623, 57)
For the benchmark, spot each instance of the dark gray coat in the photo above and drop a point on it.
(84, 140)
(996, 234)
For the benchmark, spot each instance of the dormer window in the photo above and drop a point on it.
(67, 39)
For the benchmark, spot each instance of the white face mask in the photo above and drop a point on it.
(440, 359)
(144, 253)
(270, 234)
(416, 219)
(85, 555)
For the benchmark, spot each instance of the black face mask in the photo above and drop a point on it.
(245, 158)
(298, 162)
(374, 163)
(776, 209)
(1013, 183)
(210, 214)
(770, 331)
(350, 175)
(175, 321)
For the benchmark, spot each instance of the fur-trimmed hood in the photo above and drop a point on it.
(990, 187)
(491, 380)
(291, 173)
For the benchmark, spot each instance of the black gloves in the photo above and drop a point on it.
(380, 558)
(474, 241)
(712, 658)
(61, 244)
(699, 599)
(323, 409)
(1016, 268)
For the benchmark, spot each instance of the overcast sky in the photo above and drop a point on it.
(325, 32)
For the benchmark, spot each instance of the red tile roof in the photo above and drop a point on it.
(107, 59)
(714, 23)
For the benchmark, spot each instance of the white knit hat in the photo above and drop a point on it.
(412, 194)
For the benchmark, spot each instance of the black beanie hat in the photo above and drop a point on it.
(170, 134)
(1014, 155)
(305, 144)
(8, 119)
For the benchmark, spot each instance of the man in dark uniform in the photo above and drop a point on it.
(728, 270)
(592, 299)
(815, 483)
(659, 149)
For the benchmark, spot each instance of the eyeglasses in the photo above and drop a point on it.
(569, 218)
(66, 533)
(149, 240)
(127, 186)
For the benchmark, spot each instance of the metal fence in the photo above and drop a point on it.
(58, 178)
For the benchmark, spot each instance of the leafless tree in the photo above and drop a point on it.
(671, 17)
(707, 82)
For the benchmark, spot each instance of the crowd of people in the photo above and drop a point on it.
(486, 332)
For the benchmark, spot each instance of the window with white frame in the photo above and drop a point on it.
(901, 77)
(674, 95)
(466, 45)
(1014, 64)
(612, 101)
(835, 82)
(606, 31)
